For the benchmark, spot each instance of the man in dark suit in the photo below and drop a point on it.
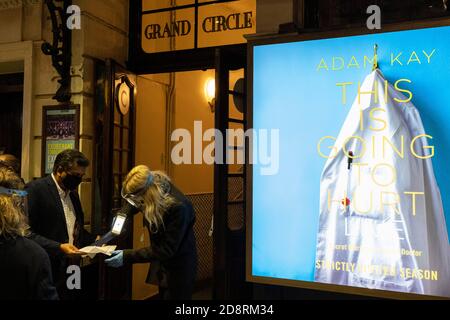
(56, 216)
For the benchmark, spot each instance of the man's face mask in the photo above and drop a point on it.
(71, 181)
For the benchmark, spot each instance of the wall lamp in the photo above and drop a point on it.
(210, 93)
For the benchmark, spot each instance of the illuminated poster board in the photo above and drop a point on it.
(60, 132)
(360, 200)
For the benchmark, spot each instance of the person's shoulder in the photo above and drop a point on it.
(38, 182)
(181, 201)
(32, 246)
(177, 193)
(34, 250)
(183, 207)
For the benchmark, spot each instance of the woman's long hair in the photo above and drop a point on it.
(13, 219)
(154, 187)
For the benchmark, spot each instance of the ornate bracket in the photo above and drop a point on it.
(61, 48)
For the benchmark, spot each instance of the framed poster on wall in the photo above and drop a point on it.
(60, 128)
(355, 194)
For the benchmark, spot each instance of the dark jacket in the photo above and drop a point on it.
(172, 252)
(48, 222)
(25, 272)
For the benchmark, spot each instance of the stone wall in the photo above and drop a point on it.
(103, 34)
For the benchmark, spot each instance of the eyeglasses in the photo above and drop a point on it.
(136, 200)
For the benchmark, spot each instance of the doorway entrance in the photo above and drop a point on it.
(176, 130)
(173, 112)
(11, 110)
(169, 128)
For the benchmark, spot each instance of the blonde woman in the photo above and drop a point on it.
(169, 217)
(25, 271)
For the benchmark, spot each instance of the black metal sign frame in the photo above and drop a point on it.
(141, 62)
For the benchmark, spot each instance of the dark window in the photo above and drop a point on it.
(352, 13)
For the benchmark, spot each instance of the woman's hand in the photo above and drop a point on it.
(116, 259)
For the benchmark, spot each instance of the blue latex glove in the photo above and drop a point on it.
(116, 259)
